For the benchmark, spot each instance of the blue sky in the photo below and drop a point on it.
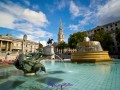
(40, 19)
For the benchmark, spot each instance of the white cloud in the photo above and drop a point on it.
(61, 4)
(30, 29)
(74, 9)
(99, 12)
(73, 27)
(27, 2)
(77, 27)
(58, 5)
(6, 20)
(86, 17)
(36, 7)
(23, 20)
(11, 8)
(79, 11)
(108, 12)
(43, 42)
(37, 18)
(30, 37)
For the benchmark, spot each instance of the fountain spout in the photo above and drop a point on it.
(86, 39)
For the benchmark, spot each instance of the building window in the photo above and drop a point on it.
(117, 43)
(111, 25)
(26, 45)
(113, 43)
(98, 29)
(116, 24)
(113, 48)
(111, 29)
(107, 27)
(95, 30)
(119, 48)
(116, 28)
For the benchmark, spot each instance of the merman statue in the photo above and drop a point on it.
(30, 65)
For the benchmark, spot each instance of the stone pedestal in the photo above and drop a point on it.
(49, 50)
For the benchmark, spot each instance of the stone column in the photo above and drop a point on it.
(23, 47)
(0, 45)
(10, 46)
(7, 47)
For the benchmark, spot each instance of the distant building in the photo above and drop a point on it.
(110, 28)
(9, 43)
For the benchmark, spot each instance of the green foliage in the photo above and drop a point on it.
(104, 38)
(75, 38)
(118, 35)
(62, 45)
(40, 48)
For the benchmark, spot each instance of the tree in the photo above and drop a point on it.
(75, 38)
(62, 45)
(118, 35)
(104, 38)
(40, 47)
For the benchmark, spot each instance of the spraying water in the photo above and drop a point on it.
(59, 57)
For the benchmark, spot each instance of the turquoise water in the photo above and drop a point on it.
(65, 76)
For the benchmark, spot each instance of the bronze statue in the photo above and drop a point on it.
(31, 64)
(49, 42)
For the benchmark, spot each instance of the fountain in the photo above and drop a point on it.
(90, 51)
(61, 76)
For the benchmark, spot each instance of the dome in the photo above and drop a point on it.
(25, 37)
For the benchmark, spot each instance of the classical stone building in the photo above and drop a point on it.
(110, 28)
(11, 44)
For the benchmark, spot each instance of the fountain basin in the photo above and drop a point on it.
(92, 76)
(96, 56)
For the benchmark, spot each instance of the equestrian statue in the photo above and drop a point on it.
(49, 42)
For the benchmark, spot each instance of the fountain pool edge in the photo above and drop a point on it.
(96, 56)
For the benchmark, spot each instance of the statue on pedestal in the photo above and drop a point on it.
(49, 42)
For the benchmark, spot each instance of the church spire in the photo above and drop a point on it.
(60, 34)
(60, 28)
(60, 25)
